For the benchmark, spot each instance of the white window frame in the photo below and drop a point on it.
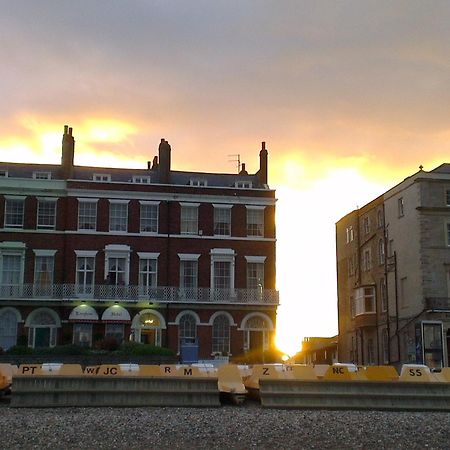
(349, 234)
(83, 329)
(192, 336)
(221, 335)
(187, 291)
(84, 289)
(199, 182)
(43, 288)
(16, 249)
(116, 331)
(253, 214)
(381, 252)
(120, 251)
(364, 298)
(19, 200)
(82, 223)
(46, 201)
(223, 255)
(38, 175)
(221, 212)
(119, 221)
(141, 179)
(101, 177)
(147, 279)
(189, 222)
(242, 184)
(153, 221)
(447, 196)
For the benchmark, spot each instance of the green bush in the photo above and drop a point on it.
(138, 349)
(69, 349)
(21, 350)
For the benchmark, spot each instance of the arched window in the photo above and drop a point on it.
(256, 333)
(221, 335)
(187, 329)
(381, 254)
(43, 324)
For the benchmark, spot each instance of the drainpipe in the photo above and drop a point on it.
(396, 306)
(386, 284)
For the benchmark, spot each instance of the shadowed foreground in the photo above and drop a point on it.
(225, 427)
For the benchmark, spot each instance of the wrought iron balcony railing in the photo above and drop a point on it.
(133, 293)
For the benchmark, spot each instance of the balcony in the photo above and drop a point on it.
(134, 294)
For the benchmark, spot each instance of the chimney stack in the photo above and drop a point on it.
(243, 171)
(164, 162)
(68, 150)
(262, 173)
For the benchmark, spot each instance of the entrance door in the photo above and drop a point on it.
(256, 340)
(8, 330)
(42, 337)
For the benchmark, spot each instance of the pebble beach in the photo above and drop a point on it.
(226, 427)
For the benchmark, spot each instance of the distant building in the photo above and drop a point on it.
(393, 274)
(318, 350)
(152, 255)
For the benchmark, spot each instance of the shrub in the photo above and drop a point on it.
(108, 343)
(138, 349)
(20, 350)
(22, 340)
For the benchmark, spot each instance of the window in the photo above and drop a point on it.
(383, 295)
(12, 273)
(381, 253)
(118, 216)
(243, 184)
(3, 174)
(148, 272)
(447, 195)
(364, 300)
(255, 221)
(87, 214)
(14, 212)
(352, 306)
(101, 177)
(115, 331)
(401, 207)
(187, 329)
(255, 275)
(222, 270)
(117, 264)
(370, 351)
(351, 265)
(367, 260)
(198, 182)
(43, 272)
(188, 274)
(349, 234)
(85, 272)
(448, 234)
(42, 175)
(46, 214)
(222, 220)
(366, 225)
(82, 334)
(221, 335)
(222, 275)
(189, 218)
(380, 219)
(149, 217)
(141, 179)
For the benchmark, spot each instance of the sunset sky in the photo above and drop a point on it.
(350, 96)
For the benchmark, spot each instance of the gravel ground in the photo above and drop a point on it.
(228, 427)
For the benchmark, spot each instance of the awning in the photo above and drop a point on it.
(83, 313)
(116, 313)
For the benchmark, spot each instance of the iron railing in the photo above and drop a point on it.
(133, 293)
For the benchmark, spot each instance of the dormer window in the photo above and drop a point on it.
(141, 179)
(198, 182)
(3, 174)
(102, 177)
(42, 175)
(243, 184)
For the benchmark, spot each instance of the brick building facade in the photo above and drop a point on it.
(152, 255)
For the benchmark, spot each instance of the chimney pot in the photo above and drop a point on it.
(263, 145)
(70, 131)
(66, 127)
